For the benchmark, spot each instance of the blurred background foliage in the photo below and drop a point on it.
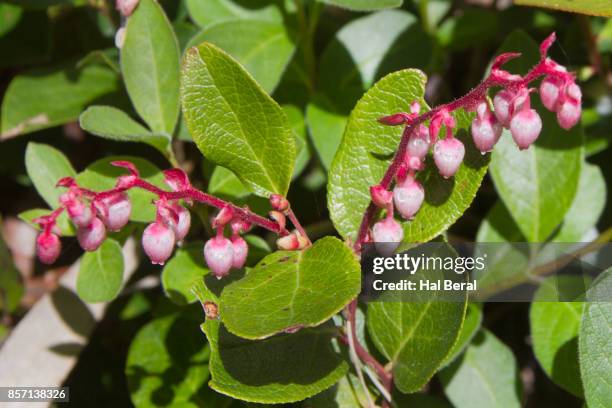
(58, 57)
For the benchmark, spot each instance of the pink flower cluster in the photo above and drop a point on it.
(512, 110)
(95, 213)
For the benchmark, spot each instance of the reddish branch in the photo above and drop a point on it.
(184, 191)
(497, 78)
(411, 121)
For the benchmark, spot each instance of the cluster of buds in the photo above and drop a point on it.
(92, 216)
(512, 110)
(223, 254)
(95, 213)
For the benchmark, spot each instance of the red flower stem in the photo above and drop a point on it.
(467, 101)
(385, 377)
(296, 224)
(195, 195)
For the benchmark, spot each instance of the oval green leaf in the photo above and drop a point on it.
(469, 328)
(485, 376)
(114, 124)
(101, 273)
(292, 289)
(264, 48)
(235, 123)
(150, 66)
(595, 347)
(590, 7)
(366, 152)
(282, 369)
(364, 5)
(167, 364)
(555, 327)
(184, 270)
(45, 98)
(45, 166)
(207, 12)
(587, 207)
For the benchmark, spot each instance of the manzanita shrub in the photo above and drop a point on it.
(277, 290)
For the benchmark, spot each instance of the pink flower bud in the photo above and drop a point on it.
(502, 103)
(525, 127)
(177, 179)
(48, 247)
(240, 226)
(279, 218)
(448, 154)
(550, 88)
(289, 242)
(568, 111)
(415, 163)
(278, 202)
(568, 114)
(219, 255)
(79, 212)
(387, 235)
(158, 242)
(181, 228)
(223, 217)
(126, 7)
(241, 250)
(114, 211)
(486, 132)
(418, 145)
(380, 196)
(408, 197)
(91, 237)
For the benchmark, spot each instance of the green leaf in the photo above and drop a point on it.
(9, 17)
(326, 128)
(167, 364)
(485, 376)
(473, 27)
(298, 126)
(292, 289)
(65, 226)
(587, 207)
(11, 288)
(101, 175)
(263, 48)
(471, 325)
(537, 185)
(45, 166)
(207, 12)
(555, 327)
(590, 7)
(401, 329)
(507, 263)
(361, 52)
(235, 123)
(45, 98)
(347, 393)
(108, 57)
(224, 183)
(282, 369)
(182, 272)
(364, 5)
(595, 346)
(114, 124)
(150, 65)
(101, 273)
(369, 146)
